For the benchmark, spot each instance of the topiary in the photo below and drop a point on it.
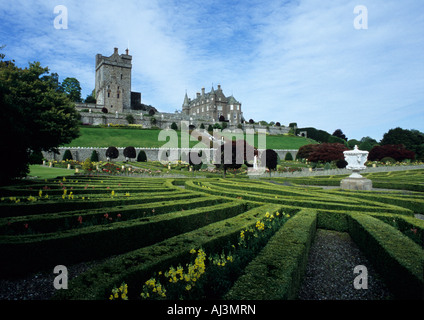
(94, 156)
(112, 153)
(174, 126)
(141, 156)
(288, 157)
(129, 152)
(67, 155)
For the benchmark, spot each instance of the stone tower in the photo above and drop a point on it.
(113, 81)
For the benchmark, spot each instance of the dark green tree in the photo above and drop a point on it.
(94, 156)
(35, 116)
(412, 140)
(142, 156)
(67, 155)
(72, 88)
(129, 152)
(112, 153)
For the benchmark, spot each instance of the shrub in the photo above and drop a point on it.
(87, 165)
(305, 151)
(104, 110)
(210, 128)
(288, 157)
(270, 160)
(327, 152)
(129, 152)
(130, 119)
(395, 151)
(112, 153)
(94, 156)
(174, 126)
(141, 156)
(341, 164)
(151, 112)
(388, 159)
(67, 155)
(251, 121)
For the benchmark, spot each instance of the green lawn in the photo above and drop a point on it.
(47, 173)
(148, 138)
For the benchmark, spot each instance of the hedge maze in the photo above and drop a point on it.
(252, 236)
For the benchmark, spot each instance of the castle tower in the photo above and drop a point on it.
(113, 81)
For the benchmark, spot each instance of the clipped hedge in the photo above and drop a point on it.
(386, 248)
(136, 266)
(277, 272)
(32, 252)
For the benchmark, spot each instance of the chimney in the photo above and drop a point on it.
(115, 50)
(127, 51)
(219, 87)
(198, 94)
(203, 91)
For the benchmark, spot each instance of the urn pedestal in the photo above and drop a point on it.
(356, 162)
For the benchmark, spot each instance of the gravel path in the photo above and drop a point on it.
(329, 274)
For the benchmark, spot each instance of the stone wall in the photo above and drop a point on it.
(153, 154)
(94, 116)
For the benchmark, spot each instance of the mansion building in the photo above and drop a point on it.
(213, 105)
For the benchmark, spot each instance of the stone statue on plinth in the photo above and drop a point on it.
(356, 162)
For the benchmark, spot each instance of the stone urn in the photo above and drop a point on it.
(356, 162)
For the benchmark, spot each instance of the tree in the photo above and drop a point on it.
(91, 98)
(67, 155)
(112, 153)
(327, 152)
(174, 126)
(142, 156)
(94, 156)
(395, 151)
(305, 151)
(315, 134)
(270, 159)
(35, 116)
(129, 152)
(339, 133)
(236, 157)
(72, 88)
(130, 119)
(412, 140)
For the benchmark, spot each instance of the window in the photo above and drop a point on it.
(121, 76)
(117, 95)
(108, 94)
(220, 108)
(231, 107)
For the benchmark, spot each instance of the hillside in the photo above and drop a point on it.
(148, 138)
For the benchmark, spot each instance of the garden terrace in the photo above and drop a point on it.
(254, 234)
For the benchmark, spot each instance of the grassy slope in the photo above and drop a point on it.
(47, 173)
(121, 137)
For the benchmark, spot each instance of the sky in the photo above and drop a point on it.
(317, 63)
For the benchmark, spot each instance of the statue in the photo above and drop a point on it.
(356, 162)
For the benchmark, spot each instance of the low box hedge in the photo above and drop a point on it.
(386, 248)
(27, 253)
(137, 266)
(277, 271)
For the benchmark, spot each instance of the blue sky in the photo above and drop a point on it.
(287, 61)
